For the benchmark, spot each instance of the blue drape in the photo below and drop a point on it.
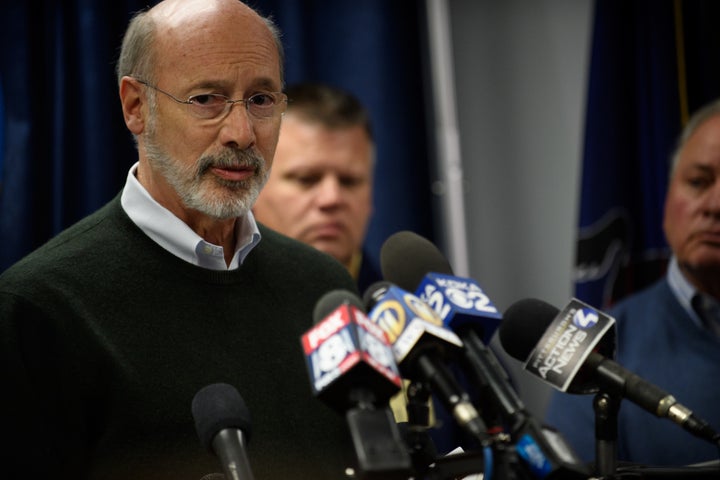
(66, 151)
(652, 62)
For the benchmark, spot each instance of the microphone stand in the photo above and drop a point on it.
(415, 431)
(606, 407)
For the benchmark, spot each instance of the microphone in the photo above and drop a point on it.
(420, 343)
(463, 307)
(560, 348)
(352, 369)
(222, 422)
(467, 310)
(348, 357)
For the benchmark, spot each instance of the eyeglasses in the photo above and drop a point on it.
(209, 106)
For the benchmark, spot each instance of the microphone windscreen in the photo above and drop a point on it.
(524, 324)
(216, 407)
(374, 293)
(332, 300)
(406, 257)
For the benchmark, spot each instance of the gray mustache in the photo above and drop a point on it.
(232, 159)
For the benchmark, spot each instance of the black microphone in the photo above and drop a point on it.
(421, 344)
(463, 307)
(560, 347)
(222, 422)
(352, 369)
(466, 309)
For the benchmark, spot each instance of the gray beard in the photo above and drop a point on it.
(201, 190)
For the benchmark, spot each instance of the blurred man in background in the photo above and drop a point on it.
(669, 333)
(320, 185)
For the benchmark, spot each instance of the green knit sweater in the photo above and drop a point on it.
(106, 337)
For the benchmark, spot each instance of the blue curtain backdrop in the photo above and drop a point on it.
(652, 63)
(66, 151)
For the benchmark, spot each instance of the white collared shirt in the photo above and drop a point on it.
(176, 237)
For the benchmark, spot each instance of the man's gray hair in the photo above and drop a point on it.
(137, 55)
(698, 118)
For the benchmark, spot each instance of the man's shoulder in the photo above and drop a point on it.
(291, 249)
(297, 258)
(76, 242)
(648, 310)
(273, 236)
(655, 296)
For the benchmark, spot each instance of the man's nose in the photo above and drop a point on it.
(330, 191)
(713, 199)
(238, 130)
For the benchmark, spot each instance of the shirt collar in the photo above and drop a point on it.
(683, 290)
(176, 237)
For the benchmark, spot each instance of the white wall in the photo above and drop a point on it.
(520, 76)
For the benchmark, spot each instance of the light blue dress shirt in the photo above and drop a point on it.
(177, 237)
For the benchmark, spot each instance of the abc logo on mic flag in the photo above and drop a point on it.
(407, 320)
(347, 340)
(574, 333)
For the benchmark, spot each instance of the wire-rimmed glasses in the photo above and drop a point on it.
(212, 106)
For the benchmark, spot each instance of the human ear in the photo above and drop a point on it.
(131, 100)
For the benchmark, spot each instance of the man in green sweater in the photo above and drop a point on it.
(109, 329)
